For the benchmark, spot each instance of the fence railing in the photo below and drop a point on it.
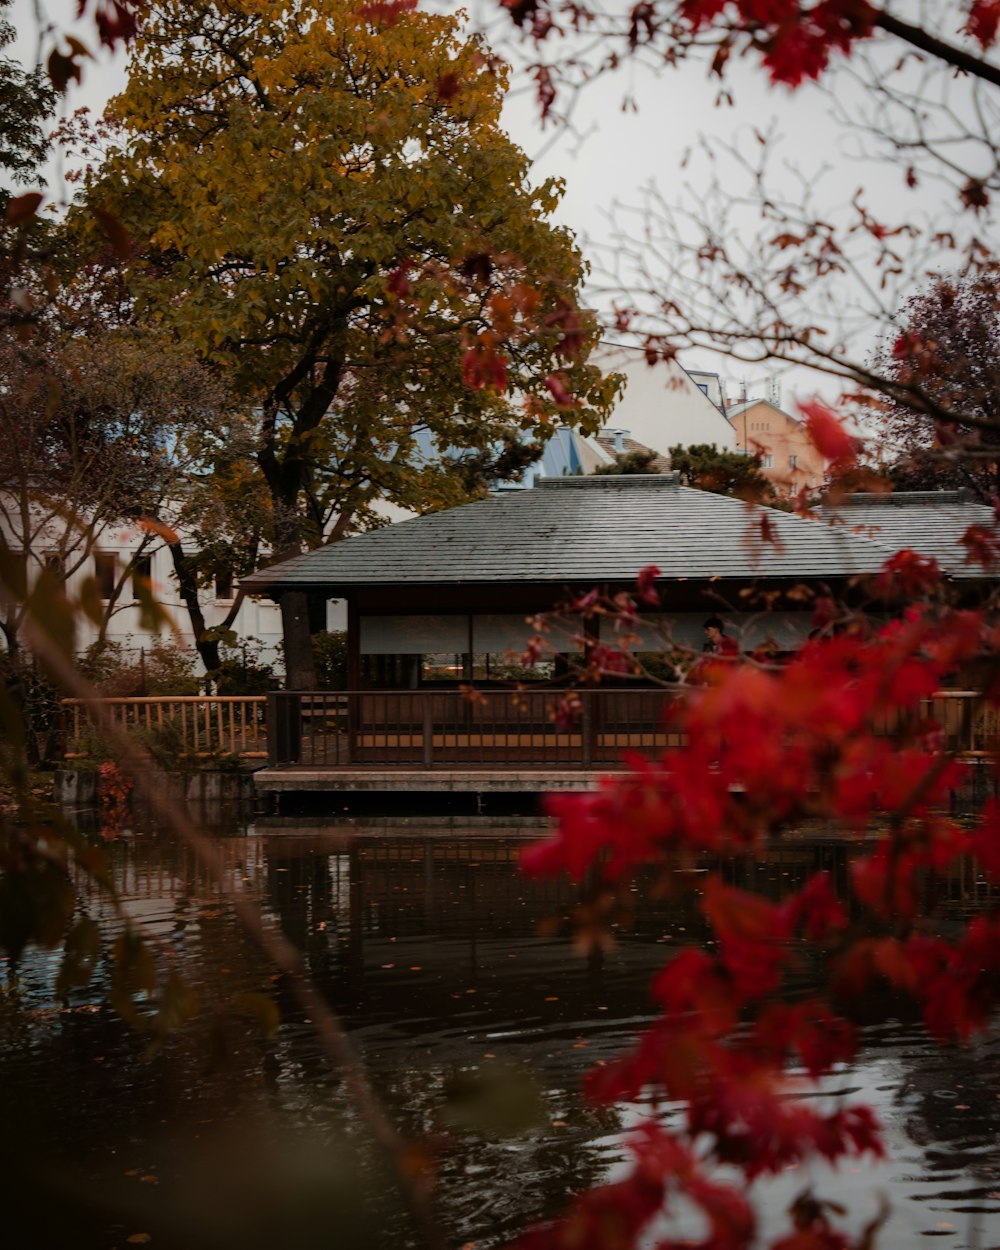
(194, 726)
(442, 729)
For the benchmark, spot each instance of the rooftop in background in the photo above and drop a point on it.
(617, 443)
(927, 521)
(582, 531)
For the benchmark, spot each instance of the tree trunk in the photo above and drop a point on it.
(187, 583)
(300, 668)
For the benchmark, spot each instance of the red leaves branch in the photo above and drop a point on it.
(843, 731)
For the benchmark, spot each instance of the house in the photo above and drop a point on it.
(665, 405)
(442, 608)
(926, 521)
(790, 461)
(448, 596)
(124, 559)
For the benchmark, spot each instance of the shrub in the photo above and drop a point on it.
(330, 658)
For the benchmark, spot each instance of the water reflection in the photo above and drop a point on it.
(428, 942)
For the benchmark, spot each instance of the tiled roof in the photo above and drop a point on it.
(580, 530)
(659, 464)
(930, 522)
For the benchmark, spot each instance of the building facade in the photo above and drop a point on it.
(789, 459)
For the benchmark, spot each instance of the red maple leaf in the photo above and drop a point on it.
(827, 433)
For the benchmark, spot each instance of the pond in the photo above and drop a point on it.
(442, 960)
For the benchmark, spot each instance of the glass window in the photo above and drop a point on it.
(142, 575)
(442, 666)
(14, 573)
(793, 461)
(224, 585)
(105, 573)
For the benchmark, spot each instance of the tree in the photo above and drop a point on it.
(770, 256)
(94, 432)
(640, 460)
(330, 212)
(722, 472)
(949, 344)
(26, 100)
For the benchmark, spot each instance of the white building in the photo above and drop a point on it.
(665, 405)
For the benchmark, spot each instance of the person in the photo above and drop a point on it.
(717, 641)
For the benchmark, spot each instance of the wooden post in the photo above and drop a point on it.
(428, 728)
(587, 728)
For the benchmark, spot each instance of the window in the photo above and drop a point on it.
(142, 575)
(768, 462)
(53, 563)
(15, 572)
(793, 461)
(105, 573)
(703, 387)
(224, 585)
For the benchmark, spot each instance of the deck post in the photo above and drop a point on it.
(587, 728)
(428, 729)
(284, 739)
(273, 721)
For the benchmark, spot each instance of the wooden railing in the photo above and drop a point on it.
(526, 728)
(451, 728)
(442, 729)
(194, 726)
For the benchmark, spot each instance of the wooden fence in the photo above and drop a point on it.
(196, 726)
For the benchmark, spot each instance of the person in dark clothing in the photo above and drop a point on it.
(717, 641)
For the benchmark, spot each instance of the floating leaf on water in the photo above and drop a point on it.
(496, 1101)
(261, 1009)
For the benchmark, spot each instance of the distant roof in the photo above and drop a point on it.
(659, 464)
(580, 530)
(734, 410)
(928, 521)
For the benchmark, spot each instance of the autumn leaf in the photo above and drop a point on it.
(23, 208)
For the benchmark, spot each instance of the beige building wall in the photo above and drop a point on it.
(791, 462)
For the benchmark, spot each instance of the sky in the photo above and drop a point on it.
(626, 132)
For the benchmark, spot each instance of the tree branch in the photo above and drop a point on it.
(946, 52)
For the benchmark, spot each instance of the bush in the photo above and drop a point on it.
(124, 672)
(243, 671)
(330, 658)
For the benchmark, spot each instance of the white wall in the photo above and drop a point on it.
(257, 619)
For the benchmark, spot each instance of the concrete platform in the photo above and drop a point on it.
(293, 780)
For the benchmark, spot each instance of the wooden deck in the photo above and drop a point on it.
(372, 779)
